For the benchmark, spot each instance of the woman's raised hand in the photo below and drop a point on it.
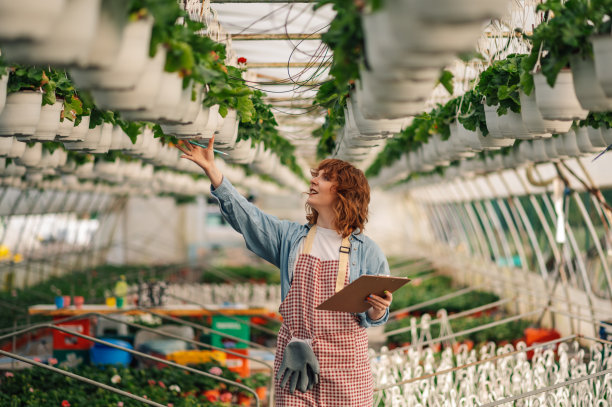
(204, 157)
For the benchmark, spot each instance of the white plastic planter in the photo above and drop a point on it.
(535, 124)
(263, 162)
(204, 125)
(90, 143)
(28, 19)
(143, 95)
(83, 172)
(127, 67)
(227, 130)
(106, 137)
(584, 142)
(49, 122)
(3, 83)
(395, 90)
(242, 153)
(602, 52)
(459, 11)
(79, 131)
(511, 125)
(17, 149)
(468, 138)
(374, 109)
(559, 102)
(31, 156)
(589, 92)
(118, 138)
(64, 129)
(371, 127)
(60, 46)
(492, 120)
(570, 142)
(6, 144)
(106, 42)
(596, 137)
(188, 109)
(606, 133)
(167, 98)
(21, 113)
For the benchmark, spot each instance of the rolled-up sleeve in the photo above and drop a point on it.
(262, 233)
(376, 264)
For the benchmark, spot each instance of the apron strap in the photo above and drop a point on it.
(345, 249)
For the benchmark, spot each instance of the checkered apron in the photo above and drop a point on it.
(338, 341)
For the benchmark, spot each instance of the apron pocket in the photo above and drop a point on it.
(336, 352)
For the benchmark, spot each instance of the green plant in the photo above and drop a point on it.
(499, 84)
(597, 120)
(567, 33)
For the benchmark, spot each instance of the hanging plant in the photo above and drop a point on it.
(566, 34)
(499, 84)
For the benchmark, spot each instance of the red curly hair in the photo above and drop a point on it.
(351, 185)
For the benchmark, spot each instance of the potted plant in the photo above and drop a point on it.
(60, 46)
(553, 47)
(23, 102)
(602, 43)
(29, 19)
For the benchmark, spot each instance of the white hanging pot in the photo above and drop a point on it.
(551, 148)
(65, 129)
(79, 131)
(3, 85)
(511, 125)
(242, 153)
(28, 19)
(6, 144)
(263, 162)
(143, 142)
(535, 124)
(71, 36)
(570, 143)
(602, 52)
(227, 132)
(107, 39)
(588, 91)
(491, 143)
(534, 150)
(370, 127)
(21, 113)
(85, 171)
(468, 138)
(492, 120)
(188, 108)
(606, 133)
(91, 141)
(395, 90)
(596, 137)
(167, 98)
(49, 122)
(17, 148)
(118, 138)
(127, 67)
(374, 109)
(584, 142)
(106, 137)
(559, 102)
(143, 95)
(460, 11)
(31, 156)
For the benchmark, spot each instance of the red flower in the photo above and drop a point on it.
(161, 384)
(65, 403)
(242, 60)
(151, 382)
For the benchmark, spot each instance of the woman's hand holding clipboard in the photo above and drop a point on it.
(351, 297)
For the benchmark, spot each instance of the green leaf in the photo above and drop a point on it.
(446, 79)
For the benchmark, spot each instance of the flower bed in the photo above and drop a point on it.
(171, 387)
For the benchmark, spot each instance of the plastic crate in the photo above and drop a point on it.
(64, 341)
(238, 364)
(193, 357)
(231, 327)
(105, 355)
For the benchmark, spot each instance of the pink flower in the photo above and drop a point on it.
(216, 370)
(144, 396)
(9, 374)
(36, 359)
(170, 405)
(31, 390)
(242, 60)
(161, 384)
(52, 361)
(65, 403)
(151, 382)
(120, 404)
(226, 397)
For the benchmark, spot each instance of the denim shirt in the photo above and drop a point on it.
(278, 241)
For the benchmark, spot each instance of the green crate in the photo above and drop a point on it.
(71, 358)
(231, 327)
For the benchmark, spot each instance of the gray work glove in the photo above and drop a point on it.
(300, 367)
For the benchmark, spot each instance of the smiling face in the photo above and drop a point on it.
(322, 194)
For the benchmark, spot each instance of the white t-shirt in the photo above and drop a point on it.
(326, 246)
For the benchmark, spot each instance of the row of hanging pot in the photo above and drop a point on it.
(406, 45)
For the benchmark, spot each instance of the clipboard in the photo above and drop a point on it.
(352, 297)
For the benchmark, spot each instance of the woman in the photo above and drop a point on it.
(313, 260)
